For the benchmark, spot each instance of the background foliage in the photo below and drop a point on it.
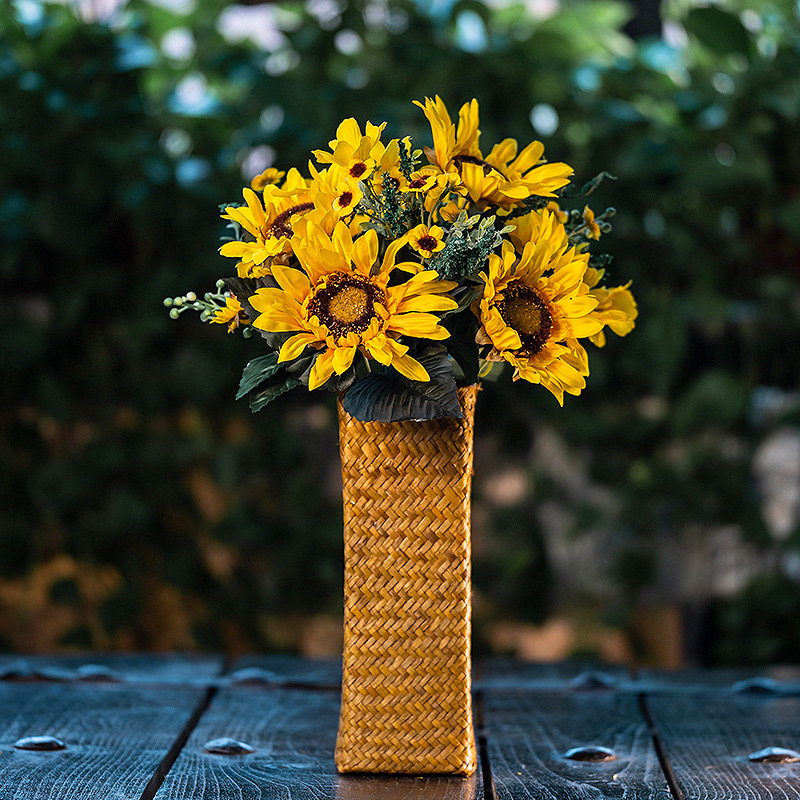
(654, 519)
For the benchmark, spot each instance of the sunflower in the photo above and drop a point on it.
(533, 310)
(339, 302)
(269, 177)
(231, 315)
(615, 308)
(504, 177)
(426, 241)
(542, 225)
(269, 222)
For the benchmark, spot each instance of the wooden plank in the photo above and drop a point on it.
(293, 733)
(762, 680)
(507, 673)
(529, 733)
(155, 668)
(707, 738)
(279, 670)
(115, 737)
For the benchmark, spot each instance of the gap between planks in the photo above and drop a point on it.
(484, 764)
(658, 744)
(489, 792)
(165, 765)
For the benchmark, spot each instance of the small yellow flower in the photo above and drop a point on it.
(269, 177)
(561, 216)
(356, 153)
(426, 241)
(592, 228)
(232, 315)
(347, 199)
(420, 181)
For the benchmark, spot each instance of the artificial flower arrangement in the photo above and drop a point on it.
(393, 275)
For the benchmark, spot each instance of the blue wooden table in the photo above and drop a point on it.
(141, 726)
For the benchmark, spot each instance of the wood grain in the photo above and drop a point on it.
(778, 679)
(115, 735)
(506, 673)
(708, 736)
(287, 671)
(293, 732)
(528, 733)
(153, 668)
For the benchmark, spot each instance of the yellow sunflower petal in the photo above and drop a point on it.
(502, 153)
(388, 263)
(255, 206)
(473, 177)
(242, 216)
(426, 302)
(529, 157)
(294, 346)
(235, 249)
(294, 282)
(321, 371)
(277, 322)
(343, 358)
(365, 252)
(584, 326)
(417, 324)
(266, 299)
(410, 368)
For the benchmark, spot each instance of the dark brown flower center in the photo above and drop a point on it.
(358, 169)
(345, 198)
(522, 309)
(427, 243)
(416, 183)
(282, 224)
(345, 304)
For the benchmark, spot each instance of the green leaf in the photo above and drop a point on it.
(461, 345)
(389, 397)
(243, 289)
(256, 372)
(268, 394)
(465, 296)
(718, 30)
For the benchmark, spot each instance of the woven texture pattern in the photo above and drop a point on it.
(406, 702)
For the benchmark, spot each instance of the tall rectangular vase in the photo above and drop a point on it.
(406, 688)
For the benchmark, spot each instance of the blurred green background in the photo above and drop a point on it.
(654, 520)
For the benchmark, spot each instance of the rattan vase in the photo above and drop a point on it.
(406, 693)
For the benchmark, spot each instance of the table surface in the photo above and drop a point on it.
(142, 726)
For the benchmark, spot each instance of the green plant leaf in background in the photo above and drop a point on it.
(720, 31)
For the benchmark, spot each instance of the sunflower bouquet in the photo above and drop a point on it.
(392, 275)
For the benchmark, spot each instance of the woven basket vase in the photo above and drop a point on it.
(406, 694)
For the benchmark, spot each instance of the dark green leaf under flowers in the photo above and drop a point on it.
(389, 397)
